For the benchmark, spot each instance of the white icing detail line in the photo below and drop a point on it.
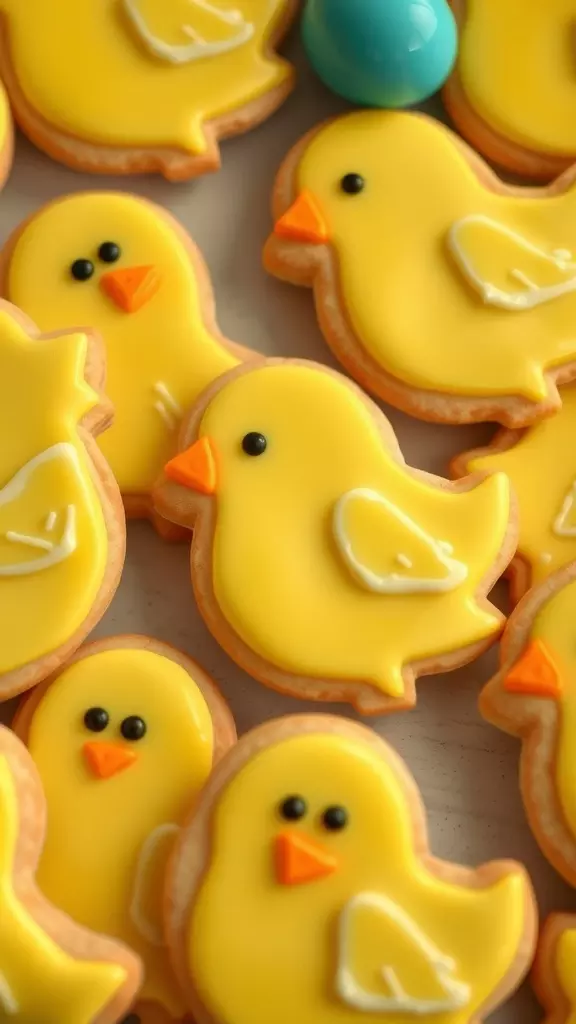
(8, 1001)
(199, 48)
(54, 552)
(50, 521)
(404, 561)
(394, 583)
(164, 392)
(533, 295)
(545, 558)
(456, 993)
(169, 419)
(148, 929)
(560, 526)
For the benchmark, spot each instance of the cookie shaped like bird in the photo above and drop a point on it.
(125, 267)
(173, 77)
(439, 288)
(51, 970)
(554, 975)
(123, 740)
(316, 547)
(304, 890)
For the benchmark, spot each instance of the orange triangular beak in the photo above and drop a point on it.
(132, 287)
(107, 759)
(535, 673)
(195, 468)
(300, 860)
(303, 221)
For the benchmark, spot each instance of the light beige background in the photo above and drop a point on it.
(467, 770)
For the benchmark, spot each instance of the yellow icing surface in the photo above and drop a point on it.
(39, 981)
(160, 357)
(517, 66)
(97, 826)
(279, 576)
(257, 948)
(565, 963)
(45, 481)
(126, 95)
(543, 478)
(402, 254)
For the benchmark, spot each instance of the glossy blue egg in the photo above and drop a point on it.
(381, 53)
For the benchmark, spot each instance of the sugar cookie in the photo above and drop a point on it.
(441, 289)
(304, 890)
(127, 268)
(62, 533)
(554, 973)
(123, 740)
(132, 86)
(52, 970)
(316, 548)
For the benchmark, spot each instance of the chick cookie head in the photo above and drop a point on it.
(312, 835)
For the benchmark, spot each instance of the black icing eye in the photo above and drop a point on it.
(335, 818)
(133, 728)
(109, 252)
(293, 808)
(82, 270)
(96, 719)
(254, 443)
(352, 184)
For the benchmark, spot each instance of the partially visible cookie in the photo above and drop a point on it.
(554, 973)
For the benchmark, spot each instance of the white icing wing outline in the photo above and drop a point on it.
(350, 992)
(559, 526)
(531, 295)
(394, 583)
(199, 48)
(148, 929)
(54, 552)
(8, 1002)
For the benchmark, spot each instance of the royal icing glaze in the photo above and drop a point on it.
(162, 350)
(543, 478)
(113, 801)
(444, 284)
(563, 967)
(516, 68)
(173, 69)
(379, 933)
(40, 978)
(325, 547)
(51, 578)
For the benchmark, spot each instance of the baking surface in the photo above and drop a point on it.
(466, 769)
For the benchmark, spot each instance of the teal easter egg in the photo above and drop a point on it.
(381, 53)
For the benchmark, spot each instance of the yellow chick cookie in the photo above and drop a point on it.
(543, 477)
(317, 550)
(62, 533)
(6, 136)
(533, 696)
(51, 970)
(123, 740)
(513, 93)
(439, 288)
(304, 890)
(132, 86)
(554, 969)
(127, 268)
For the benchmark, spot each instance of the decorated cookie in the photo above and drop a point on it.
(304, 890)
(440, 288)
(554, 970)
(131, 86)
(62, 531)
(52, 971)
(543, 476)
(123, 740)
(316, 548)
(6, 136)
(513, 92)
(534, 697)
(380, 54)
(126, 267)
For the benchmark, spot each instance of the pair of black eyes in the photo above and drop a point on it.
(294, 808)
(108, 252)
(352, 184)
(132, 728)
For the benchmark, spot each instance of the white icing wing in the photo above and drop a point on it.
(565, 523)
(230, 28)
(424, 956)
(55, 537)
(506, 269)
(152, 855)
(407, 560)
